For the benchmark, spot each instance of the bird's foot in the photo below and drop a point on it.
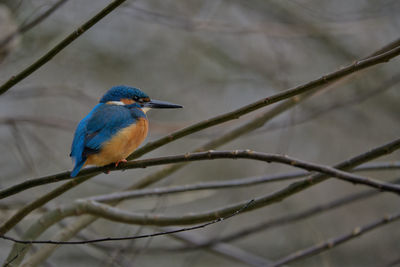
(119, 161)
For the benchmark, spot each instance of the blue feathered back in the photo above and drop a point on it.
(98, 127)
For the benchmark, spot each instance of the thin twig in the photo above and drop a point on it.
(57, 123)
(107, 239)
(21, 213)
(60, 46)
(384, 86)
(286, 219)
(209, 155)
(55, 90)
(10, 261)
(329, 244)
(393, 263)
(248, 154)
(223, 249)
(33, 23)
(37, 257)
(22, 148)
(158, 191)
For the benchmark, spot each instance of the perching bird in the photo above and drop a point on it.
(114, 128)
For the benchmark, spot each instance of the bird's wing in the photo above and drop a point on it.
(104, 124)
(99, 127)
(78, 144)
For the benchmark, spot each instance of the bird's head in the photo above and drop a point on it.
(125, 95)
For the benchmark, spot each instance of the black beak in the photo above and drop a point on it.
(160, 104)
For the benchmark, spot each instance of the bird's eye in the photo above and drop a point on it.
(143, 100)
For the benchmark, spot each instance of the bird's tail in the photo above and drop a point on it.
(77, 168)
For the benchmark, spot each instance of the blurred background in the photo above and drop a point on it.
(211, 56)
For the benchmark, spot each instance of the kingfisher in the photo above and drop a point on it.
(114, 128)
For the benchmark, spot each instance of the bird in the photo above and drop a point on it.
(114, 128)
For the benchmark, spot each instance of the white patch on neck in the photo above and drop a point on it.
(118, 103)
(146, 109)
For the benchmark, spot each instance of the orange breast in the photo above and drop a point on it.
(121, 145)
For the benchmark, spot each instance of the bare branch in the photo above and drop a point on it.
(59, 47)
(108, 239)
(329, 244)
(158, 191)
(223, 249)
(21, 213)
(58, 123)
(209, 155)
(54, 216)
(33, 23)
(286, 219)
(50, 91)
(247, 154)
(393, 263)
(384, 86)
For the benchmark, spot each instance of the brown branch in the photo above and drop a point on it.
(21, 213)
(59, 47)
(248, 154)
(55, 90)
(393, 263)
(188, 157)
(286, 219)
(33, 23)
(384, 86)
(6, 226)
(22, 147)
(331, 243)
(108, 239)
(56, 215)
(223, 249)
(159, 191)
(57, 123)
